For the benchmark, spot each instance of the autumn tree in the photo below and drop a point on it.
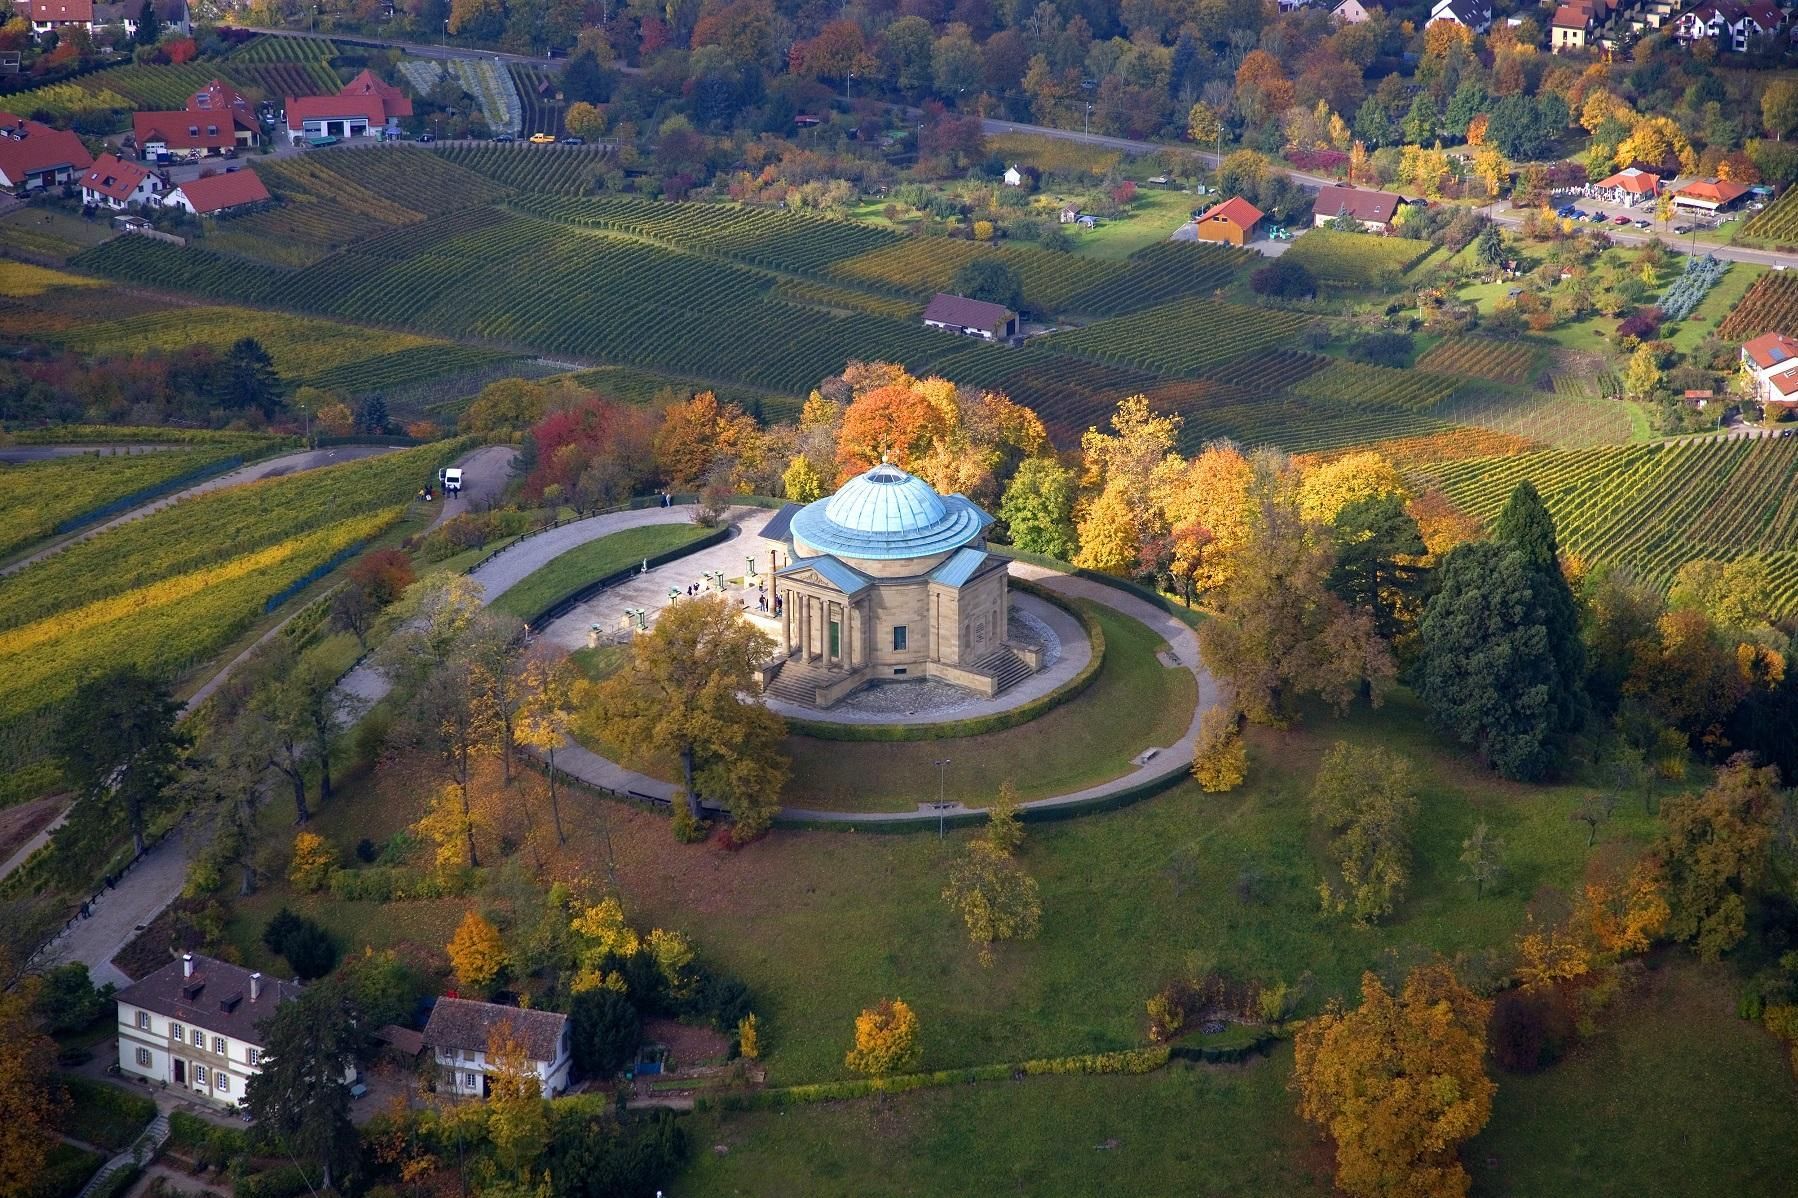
(545, 719)
(702, 438)
(1622, 914)
(32, 1101)
(1279, 633)
(1038, 508)
(1365, 800)
(585, 120)
(681, 695)
(995, 897)
(477, 953)
(1203, 125)
(1220, 761)
(1642, 376)
(1399, 1084)
(1714, 850)
(886, 1039)
(517, 1116)
(800, 481)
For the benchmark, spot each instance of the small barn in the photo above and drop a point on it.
(971, 317)
(1233, 222)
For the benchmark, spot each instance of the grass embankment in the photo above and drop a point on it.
(587, 564)
(1135, 703)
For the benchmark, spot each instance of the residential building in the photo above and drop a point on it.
(1233, 222)
(58, 16)
(1476, 15)
(212, 195)
(62, 15)
(34, 156)
(1631, 185)
(221, 99)
(974, 318)
(114, 183)
(396, 102)
(197, 1024)
(1013, 176)
(1709, 196)
(1373, 209)
(1571, 28)
(335, 116)
(1350, 12)
(1731, 24)
(189, 134)
(1771, 360)
(460, 1030)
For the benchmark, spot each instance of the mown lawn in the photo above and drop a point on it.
(1135, 703)
(1152, 216)
(591, 562)
(1186, 1130)
(1674, 1097)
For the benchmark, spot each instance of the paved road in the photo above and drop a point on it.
(1314, 182)
(288, 463)
(485, 473)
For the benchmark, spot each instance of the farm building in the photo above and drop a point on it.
(974, 318)
(335, 116)
(214, 194)
(34, 156)
(63, 16)
(114, 183)
(457, 1035)
(1374, 209)
(1235, 222)
(1709, 195)
(396, 101)
(1631, 185)
(1771, 360)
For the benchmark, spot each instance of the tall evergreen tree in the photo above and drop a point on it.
(1378, 548)
(149, 25)
(299, 1097)
(1488, 674)
(1526, 526)
(248, 378)
(120, 743)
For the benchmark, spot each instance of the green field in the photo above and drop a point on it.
(1355, 259)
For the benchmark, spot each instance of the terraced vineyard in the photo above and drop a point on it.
(158, 264)
(301, 346)
(1161, 272)
(925, 265)
(1482, 357)
(1183, 337)
(278, 80)
(1651, 507)
(846, 299)
(283, 49)
(493, 88)
(539, 110)
(40, 499)
(1563, 419)
(1355, 259)
(1360, 385)
(777, 240)
(1777, 222)
(401, 367)
(1771, 305)
(554, 170)
(415, 179)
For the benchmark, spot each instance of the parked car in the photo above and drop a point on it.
(1598, 218)
(574, 141)
(1642, 224)
(1566, 210)
(503, 137)
(427, 137)
(543, 139)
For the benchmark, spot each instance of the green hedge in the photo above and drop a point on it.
(65, 1173)
(105, 1115)
(998, 721)
(119, 1182)
(397, 883)
(190, 1132)
(1128, 1061)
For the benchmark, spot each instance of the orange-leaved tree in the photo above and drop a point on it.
(476, 952)
(1399, 1084)
(886, 1039)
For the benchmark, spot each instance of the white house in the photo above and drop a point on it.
(212, 194)
(1013, 176)
(197, 1025)
(460, 1030)
(1771, 361)
(114, 183)
(972, 317)
(1350, 12)
(1476, 15)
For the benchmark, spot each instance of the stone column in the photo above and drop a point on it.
(786, 628)
(833, 615)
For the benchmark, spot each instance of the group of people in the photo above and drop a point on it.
(765, 605)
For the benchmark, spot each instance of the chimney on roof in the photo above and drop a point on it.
(255, 986)
(187, 965)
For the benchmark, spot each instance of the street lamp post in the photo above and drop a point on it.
(942, 768)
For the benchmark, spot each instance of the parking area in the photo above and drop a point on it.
(1586, 209)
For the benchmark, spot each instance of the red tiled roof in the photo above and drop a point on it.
(1237, 211)
(114, 178)
(1632, 179)
(366, 84)
(215, 193)
(185, 130)
(29, 148)
(1771, 349)
(1570, 16)
(1718, 191)
(1340, 200)
(63, 10)
(1785, 383)
(301, 109)
(218, 96)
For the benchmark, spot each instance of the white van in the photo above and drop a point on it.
(451, 478)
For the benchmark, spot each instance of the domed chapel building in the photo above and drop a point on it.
(886, 579)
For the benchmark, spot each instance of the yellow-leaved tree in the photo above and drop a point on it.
(801, 481)
(517, 1116)
(1326, 488)
(313, 858)
(886, 1039)
(995, 897)
(476, 953)
(1399, 1084)
(1219, 760)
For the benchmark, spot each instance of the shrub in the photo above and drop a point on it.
(309, 949)
(313, 859)
(104, 1115)
(69, 1002)
(605, 1032)
(1284, 279)
(1528, 1029)
(398, 883)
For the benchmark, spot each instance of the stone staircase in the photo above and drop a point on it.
(1006, 669)
(142, 1152)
